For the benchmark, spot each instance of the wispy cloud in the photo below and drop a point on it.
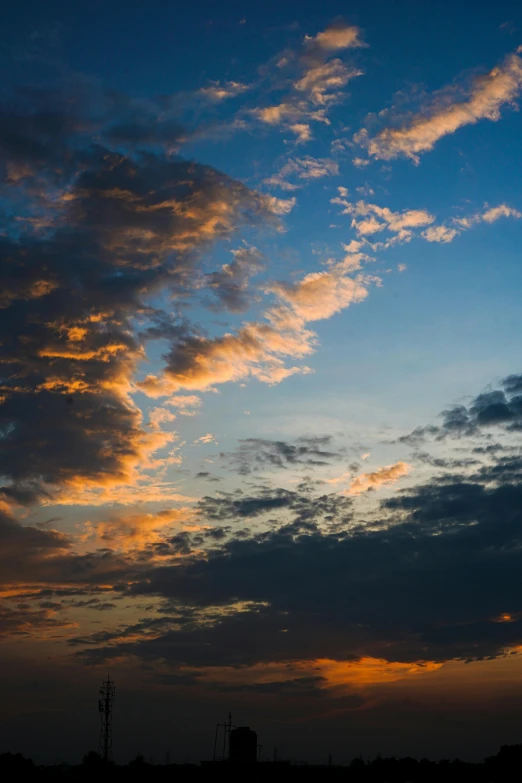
(230, 284)
(378, 478)
(217, 91)
(306, 168)
(448, 111)
(488, 215)
(322, 82)
(132, 531)
(259, 349)
(208, 438)
(312, 81)
(371, 219)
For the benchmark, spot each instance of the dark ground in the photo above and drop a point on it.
(506, 765)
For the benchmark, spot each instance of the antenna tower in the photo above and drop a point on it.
(227, 728)
(107, 691)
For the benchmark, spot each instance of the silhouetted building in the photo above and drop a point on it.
(243, 745)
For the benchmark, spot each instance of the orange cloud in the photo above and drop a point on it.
(370, 671)
(440, 234)
(489, 215)
(217, 92)
(317, 81)
(379, 218)
(340, 37)
(332, 675)
(135, 531)
(488, 94)
(258, 349)
(377, 479)
(319, 295)
(208, 438)
(321, 82)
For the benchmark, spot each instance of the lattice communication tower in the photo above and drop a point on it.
(107, 692)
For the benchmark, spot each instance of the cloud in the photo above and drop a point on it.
(303, 168)
(184, 403)
(259, 453)
(275, 115)
(488, 215)
(279, 206)
(218, 92)
(141, 489)
(498, 408)
(321, 82)
(376, 219)
(340, 37)
(302, 131)
(494, 213)
(120, 229)
(26, 622)
(259, 349)
(30, 544)
(440, 234)
(378, 478)
(358, 612)
(369, 219)
(320, 295)
(316, 82)
(252, 565)
(132, 532)
(208, 438)
(447, 112)
(230, 284)
(33, 557)
(255, 350)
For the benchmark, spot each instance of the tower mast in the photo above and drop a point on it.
(107, 692)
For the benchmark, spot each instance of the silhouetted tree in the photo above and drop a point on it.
(92, 760)
(138, 762)
(15, 763)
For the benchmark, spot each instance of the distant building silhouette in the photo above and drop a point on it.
(243, 745)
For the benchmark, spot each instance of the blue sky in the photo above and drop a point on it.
(260, 334)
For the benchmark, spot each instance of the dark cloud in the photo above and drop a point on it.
(35, 556)
(501, 407)
(26, 552)
(27, 621)
(432, 576)
(305, 510)
(445, 462)
(92, 603)
(256, 453)
(491, 449)
(231, 283)
(96, 231)
(238, 506)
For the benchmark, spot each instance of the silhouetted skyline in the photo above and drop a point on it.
(261, 391)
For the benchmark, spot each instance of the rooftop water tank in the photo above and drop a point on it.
(243, 745)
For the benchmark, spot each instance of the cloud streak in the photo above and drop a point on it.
(447, 113)
(259, 349)
(378, 478)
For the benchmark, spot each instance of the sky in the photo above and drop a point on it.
(260, 392)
